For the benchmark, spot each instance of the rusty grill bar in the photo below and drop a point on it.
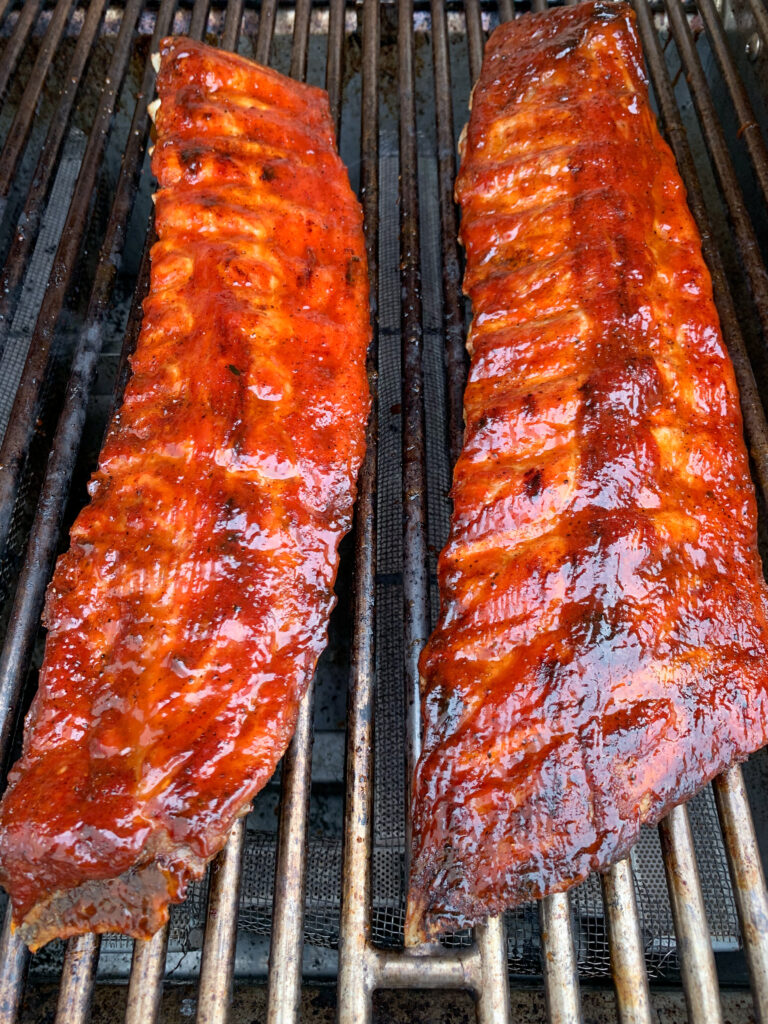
(364, 967)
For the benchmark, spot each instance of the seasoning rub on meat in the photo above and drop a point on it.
(602, 646)
(185, 620)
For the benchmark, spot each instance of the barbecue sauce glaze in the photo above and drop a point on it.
(185, 620)
(602, 645)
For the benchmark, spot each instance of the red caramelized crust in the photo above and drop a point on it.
(602, 647)
(185, 621)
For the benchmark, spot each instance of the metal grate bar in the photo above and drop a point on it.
(748, 880)
(218, 962)
(145, 987)
(15, 45)
(26, 406)
(23, 242)
(561, 979)
(148, 957)
(14, 960)
(267, 16)
(334, 70)
(355, 983)
(415, 575)
(3, 8)
(697, 961)
(199, 20)
(714, 137)
(491, 940)
(455, 351)
(475, 37)
(285, 956)
(749, 129)
(300, 46)
(627, 959)
(77, 979)
(285, 953)
(493, 1003)
(232, 20)
(22, 122)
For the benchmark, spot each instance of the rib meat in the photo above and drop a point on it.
(602, 646)
(185, 620)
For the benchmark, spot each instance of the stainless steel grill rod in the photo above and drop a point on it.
(199, 20)
(453, 315)
(3, 8)
(145, 987)
(355, 982)
(748, 880)
(15, 45)
(232, 22)
(219, 945)
(697, 961)
(475, 37)
(561, 980)
(77, 977)
(285, 953)
(14, 961)
(415, 573)
(491, 938)
(267, 17)
(218, 961)
(627, 958)
(301, 17)
(334, 71)
(492, 990)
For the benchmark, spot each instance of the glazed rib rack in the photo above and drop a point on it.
(75, 232)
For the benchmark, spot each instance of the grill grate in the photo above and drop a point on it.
(397, 68)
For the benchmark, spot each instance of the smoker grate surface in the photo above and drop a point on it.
(74, 241)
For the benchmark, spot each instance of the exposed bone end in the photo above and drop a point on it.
(153, 108)
(463, 140)
(150, 150)
(155, 58)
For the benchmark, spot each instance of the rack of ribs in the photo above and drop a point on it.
(602, 645)
(185, 621)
